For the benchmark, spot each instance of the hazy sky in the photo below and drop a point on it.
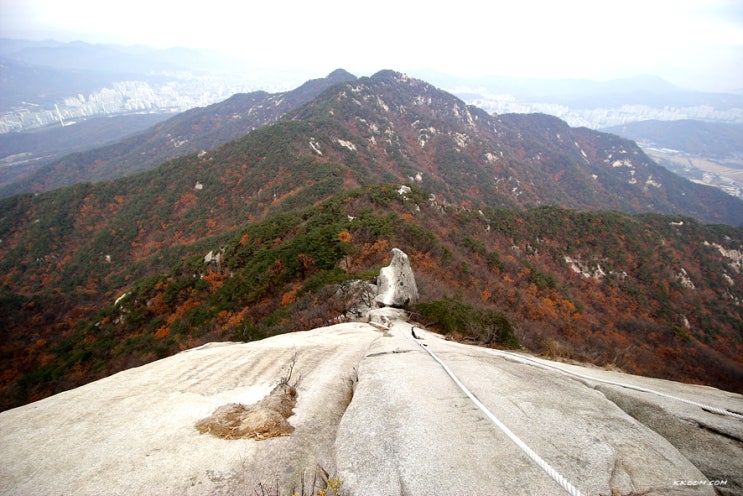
(695, 43)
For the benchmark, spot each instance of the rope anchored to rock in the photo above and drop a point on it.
(567, 486)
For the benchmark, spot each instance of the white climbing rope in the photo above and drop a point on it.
(567, 486)
(628, 386)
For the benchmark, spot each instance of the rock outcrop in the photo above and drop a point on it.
(357, 297)
(380, 417)
(396, 283)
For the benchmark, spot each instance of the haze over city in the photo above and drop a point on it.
(696, 44)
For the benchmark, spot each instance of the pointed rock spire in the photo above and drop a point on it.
(396, 282)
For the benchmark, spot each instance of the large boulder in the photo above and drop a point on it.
(396, 283)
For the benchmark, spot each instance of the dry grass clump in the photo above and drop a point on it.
(263, 420)
(321, 484)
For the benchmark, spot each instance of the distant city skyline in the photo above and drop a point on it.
(697, 44)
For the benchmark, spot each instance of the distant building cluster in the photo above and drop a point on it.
(124, 97)
(598, 118)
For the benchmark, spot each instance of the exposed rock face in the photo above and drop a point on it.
(396, 283)
(384, 316)
(376, 411)
(358, 297)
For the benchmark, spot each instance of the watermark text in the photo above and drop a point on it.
(700, 483)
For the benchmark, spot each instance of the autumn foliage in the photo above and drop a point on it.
(601, 287)
(259, 236)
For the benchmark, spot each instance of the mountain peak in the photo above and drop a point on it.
(394, 76)
(313, 87)
(340, 75)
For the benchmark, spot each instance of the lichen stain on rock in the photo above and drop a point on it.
(263, 420)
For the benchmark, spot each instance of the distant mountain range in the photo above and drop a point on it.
(113, 59)
(586, 94)
(83, 79)
(45, 85)
(572, 237)
(48, 83)
(528, 160)
(596, 104)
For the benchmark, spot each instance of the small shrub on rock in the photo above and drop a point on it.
(452, 316)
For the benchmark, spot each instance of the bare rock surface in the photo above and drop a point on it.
(376, 410)
(135, 432)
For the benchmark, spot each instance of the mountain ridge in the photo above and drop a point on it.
(515, 134)
(704, 152)
(201, 129)
(707, 139)
(227, 243)
(188, 132)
